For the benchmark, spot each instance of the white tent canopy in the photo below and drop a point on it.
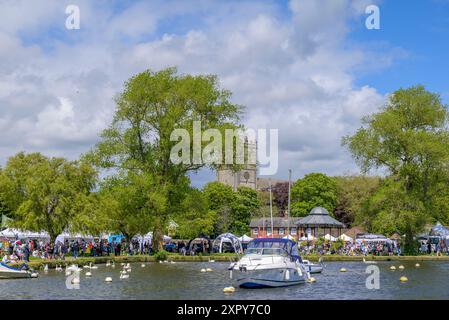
(290, 237)
(330, 237)
(245, 238)
(23, 234)
(69, 236)
(308, 238)
(149, 237)
(227, 238)
(346, 238)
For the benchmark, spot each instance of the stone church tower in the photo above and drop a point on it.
(246, 177)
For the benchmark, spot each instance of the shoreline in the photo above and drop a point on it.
(39, 264)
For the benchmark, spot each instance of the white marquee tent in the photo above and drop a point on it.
(308, 238)
(346, 238)
(330, 237)
(11, 233)
(245, 238)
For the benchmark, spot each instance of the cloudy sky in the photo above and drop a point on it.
(309, 68)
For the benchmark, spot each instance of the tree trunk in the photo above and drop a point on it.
(158, 238)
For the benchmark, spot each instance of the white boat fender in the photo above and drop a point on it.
(287, 274)
(229, 290)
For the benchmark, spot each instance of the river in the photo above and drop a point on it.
(183, 280)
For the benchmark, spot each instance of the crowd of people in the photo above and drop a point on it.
(352, 248)
(22, 250)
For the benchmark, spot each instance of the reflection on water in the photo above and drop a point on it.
(183, 280)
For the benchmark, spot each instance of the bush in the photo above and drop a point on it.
(161, 255)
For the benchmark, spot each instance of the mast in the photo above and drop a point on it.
(271, 210)
(288, 208)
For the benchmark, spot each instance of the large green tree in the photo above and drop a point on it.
(221, 199)
(314, 190)
(45, 194)
(352, 193)
(127, 202)
(233, 210)
(245, 206)
(151, 106)
(409, 140)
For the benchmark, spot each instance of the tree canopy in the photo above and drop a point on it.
(314, 190)
(409, 139)
(151, 106)
(44, 194)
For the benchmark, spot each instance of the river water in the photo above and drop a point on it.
(183, 280)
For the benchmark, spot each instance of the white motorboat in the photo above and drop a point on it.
(269, 263)
(313, 267)
(7, 272)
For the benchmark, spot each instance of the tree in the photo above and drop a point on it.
(408, 139)
(128, 202)
(246, 203)
(280, 196)
(44, 194)
(220, 198)
(352, 192)
(194, 216)
(151, 106)
(314, 190)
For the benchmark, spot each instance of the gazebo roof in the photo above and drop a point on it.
(319, 217)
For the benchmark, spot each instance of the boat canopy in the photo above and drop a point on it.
(287, 245)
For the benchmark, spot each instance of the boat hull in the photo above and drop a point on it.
(7, 272)
(313, 268)
(268, 278)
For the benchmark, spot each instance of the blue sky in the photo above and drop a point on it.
(308, 68)
(421, 28)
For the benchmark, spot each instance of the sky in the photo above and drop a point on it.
(309, 68)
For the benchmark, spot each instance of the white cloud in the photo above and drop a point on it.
(294, 71)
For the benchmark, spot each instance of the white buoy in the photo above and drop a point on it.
(108, 279)
(401, 267)
(143, 265)
(417, 265)
(229, 290)
(392, 268)
(343, 270)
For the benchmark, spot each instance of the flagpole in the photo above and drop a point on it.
(288, 209)
(271, 210)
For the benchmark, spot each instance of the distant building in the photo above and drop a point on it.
(318, 223)
(245, 177)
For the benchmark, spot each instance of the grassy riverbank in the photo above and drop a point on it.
(38, 264)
